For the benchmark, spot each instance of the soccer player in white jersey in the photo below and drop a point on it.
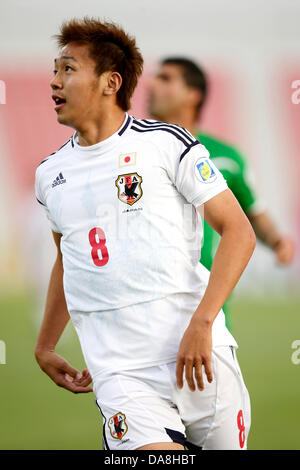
(119, 195)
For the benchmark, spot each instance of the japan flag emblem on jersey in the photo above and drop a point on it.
(129, 188)
(127, 159)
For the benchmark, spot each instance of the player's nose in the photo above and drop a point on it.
(55, 82)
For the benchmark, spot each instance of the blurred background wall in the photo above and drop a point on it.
(251, 51)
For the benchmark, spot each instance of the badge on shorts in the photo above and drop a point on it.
(205, 169)
(117, 425)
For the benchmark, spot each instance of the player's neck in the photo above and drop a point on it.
(184, 120)
(95, 130)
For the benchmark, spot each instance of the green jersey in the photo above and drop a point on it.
(235, 170)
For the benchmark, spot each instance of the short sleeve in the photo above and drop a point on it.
(41, 200)
(197, 178)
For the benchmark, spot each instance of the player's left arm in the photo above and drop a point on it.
(267, 231)
(224, 214)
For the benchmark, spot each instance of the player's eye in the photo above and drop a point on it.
(67, 67)
(163, 78)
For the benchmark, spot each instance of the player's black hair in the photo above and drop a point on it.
(111, 48)
(193, 75)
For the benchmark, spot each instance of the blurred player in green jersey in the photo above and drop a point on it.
(177, 94)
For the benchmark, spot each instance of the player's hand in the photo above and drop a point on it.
(62, 373)
(195, 351)
(284, 250)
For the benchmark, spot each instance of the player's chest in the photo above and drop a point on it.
(126, 180)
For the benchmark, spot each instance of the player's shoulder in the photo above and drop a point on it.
(163, 132)
(219, 148)
(53, 157)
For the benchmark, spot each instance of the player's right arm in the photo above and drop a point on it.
(55, 319)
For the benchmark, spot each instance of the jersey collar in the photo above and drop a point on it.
(105, 145)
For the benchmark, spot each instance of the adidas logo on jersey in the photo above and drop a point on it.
(59, 180)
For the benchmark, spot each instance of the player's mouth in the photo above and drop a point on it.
(60, 102)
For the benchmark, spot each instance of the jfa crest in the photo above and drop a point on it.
(129, 188)
(117, 425)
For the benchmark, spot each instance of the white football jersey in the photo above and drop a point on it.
(131, 239)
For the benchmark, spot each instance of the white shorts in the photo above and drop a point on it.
(144, 406)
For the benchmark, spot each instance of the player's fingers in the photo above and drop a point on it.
(83, 381)
(286, 255)
(80, 389)
(189, 369)
(68, 378)
(71, 371)
(179, 372)
(198, 374)
(282, 257)
(85, 376)
(285, 251)
(72, 387)
(208, 369)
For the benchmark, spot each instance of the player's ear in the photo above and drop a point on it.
(195, 96)
(113, 83)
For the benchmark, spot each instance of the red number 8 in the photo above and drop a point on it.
(98, 245)
(241, 426)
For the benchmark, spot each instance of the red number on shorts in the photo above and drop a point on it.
(98, 245)
(241, 426)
